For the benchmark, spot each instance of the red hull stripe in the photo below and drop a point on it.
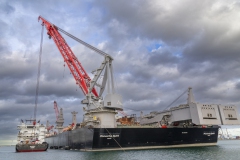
(31, 150)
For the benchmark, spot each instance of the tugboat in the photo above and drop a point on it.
(31, 137)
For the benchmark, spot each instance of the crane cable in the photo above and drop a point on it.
(165, 107)
(84, 43)
(38, 75)
(176, 99)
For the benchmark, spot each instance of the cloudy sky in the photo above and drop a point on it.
(159, 50)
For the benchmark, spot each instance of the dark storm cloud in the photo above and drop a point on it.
(162, 58)
(215, 47)
(238, 85)
(7, 127)
(4, 44)
(14, 69)
(6, 8)
(172, 22)
(10, 110)
(3, 27)
(3, 47)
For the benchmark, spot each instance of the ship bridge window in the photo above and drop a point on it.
(109, 103)
(30, 126)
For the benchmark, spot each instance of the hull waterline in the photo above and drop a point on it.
(105, 139)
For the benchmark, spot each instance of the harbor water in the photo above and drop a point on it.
(225, 150)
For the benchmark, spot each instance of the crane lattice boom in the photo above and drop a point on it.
(78, 72)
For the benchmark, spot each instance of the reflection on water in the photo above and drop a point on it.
(227, 149)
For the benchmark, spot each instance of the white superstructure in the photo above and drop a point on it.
(60, 121)
(30, 133)
(194, 113)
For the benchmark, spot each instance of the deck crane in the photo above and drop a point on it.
(56, 109)
(100, 112)
(57, 117)
(49, 128)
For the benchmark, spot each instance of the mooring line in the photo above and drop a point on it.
(115, 139)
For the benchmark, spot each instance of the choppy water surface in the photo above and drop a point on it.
(225, 150)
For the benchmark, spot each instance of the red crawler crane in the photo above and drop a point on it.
(56, 112)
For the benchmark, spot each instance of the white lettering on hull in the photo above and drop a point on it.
(109, 136)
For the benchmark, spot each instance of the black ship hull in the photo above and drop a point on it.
(100, 139)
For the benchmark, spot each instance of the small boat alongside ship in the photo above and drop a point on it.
(31, 137)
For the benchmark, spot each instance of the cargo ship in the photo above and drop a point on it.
(31, 137)
(188, 125)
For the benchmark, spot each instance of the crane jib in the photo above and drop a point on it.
(78, 72)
